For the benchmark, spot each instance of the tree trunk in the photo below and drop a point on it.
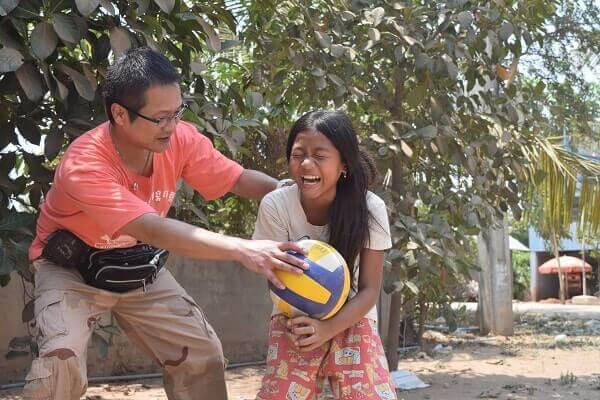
(422, 319)
(495, 281)
(393, 336)
(561, 278)
(583, 277)
(397, 310)
(408, 334)
(598, 272)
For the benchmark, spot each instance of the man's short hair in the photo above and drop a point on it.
(129, 77)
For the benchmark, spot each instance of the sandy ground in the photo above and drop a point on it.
(511, 369)
(530, 365)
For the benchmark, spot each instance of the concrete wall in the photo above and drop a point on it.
(235, 301)
(11, 306)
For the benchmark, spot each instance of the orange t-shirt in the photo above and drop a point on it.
(94, 194)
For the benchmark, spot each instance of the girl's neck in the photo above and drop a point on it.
(317, 210)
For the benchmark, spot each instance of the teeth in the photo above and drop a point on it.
(310, 179)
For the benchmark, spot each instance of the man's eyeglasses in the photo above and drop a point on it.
(163, 121)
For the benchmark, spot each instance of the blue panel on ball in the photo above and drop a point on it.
(332, 280)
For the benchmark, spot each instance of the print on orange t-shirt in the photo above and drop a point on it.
(94, 194)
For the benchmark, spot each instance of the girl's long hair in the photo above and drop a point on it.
(349, 216)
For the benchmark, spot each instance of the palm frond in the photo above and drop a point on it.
(554, 172)
(589, 206)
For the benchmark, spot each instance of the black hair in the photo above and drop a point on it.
(129, 77)
(349, 216)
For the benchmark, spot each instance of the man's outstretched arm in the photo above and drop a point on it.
(260, 256)
(253, 184)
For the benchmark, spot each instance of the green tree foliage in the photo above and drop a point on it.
(431, 85)
(521, 274)
(427, 86)
(435, 92)
(562, 98)
(53, 57)
(563, 69)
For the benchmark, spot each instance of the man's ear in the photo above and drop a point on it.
(119, 114)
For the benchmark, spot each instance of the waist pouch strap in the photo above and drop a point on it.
(116, 270)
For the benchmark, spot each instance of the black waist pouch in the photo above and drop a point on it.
(117, 270)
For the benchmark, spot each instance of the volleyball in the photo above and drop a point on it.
(321, 290)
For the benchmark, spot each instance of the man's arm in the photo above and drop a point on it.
(260, 256)
(253, 184)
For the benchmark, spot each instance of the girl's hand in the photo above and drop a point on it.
(309, 333)
(284, 321)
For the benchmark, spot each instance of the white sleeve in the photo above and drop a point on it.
(379, 225)
(269, 223)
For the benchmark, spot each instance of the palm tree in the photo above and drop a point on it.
(588, 226)
(562, 170)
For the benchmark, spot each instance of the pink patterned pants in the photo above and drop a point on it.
(351, 366)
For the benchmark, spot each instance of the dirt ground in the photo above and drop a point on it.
(534, 364)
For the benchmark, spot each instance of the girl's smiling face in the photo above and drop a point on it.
(316, 165)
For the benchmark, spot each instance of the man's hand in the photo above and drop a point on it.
(265, 257)
(285, 182)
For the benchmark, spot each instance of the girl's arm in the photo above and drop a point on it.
(312, 333)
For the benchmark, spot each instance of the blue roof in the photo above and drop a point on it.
(537, 244)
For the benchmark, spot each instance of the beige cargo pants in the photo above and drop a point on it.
(164, 321)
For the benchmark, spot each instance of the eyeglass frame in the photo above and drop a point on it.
(158, 121)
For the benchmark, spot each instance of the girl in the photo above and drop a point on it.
(342, 357)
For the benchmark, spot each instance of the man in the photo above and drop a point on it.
(111, 191)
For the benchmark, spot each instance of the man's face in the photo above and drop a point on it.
(162, 102)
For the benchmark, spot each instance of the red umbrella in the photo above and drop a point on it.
(568, 265)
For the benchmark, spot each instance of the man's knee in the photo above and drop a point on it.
(194, 360)
(56, 375)
(202, 350)
(194, 371)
